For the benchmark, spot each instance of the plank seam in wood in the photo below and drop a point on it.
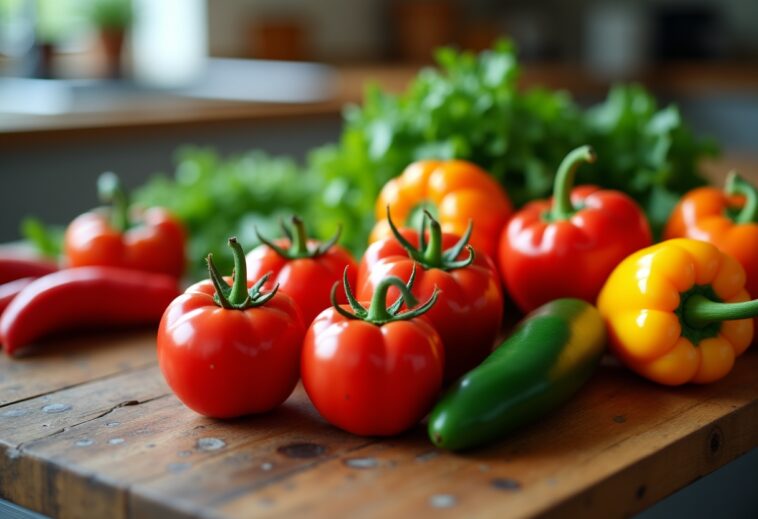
(130, 369)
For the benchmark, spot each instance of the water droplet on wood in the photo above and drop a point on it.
(210, 444)
(442, 501)
(362, 463)
(56, 408)
(14, 413)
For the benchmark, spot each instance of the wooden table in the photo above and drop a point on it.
(88, 427)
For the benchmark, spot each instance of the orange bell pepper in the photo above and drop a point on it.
(727, 218)
(454, 192)
(678, 312)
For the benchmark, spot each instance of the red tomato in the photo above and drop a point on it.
(372, 379)
(306, 270)
(227, 362)
(151, 240)
(469, 312)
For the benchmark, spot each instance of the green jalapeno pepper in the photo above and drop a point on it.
(551, 354)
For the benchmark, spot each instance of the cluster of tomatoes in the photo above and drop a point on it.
(425, 310)
(429, 299)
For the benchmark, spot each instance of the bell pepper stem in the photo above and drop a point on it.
(699, 311)
(564, 182)
(377, 310)
(736, 185)
(110, 191)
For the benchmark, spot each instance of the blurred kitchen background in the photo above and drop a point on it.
(93, 85)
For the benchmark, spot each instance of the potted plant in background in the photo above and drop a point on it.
(112, 18)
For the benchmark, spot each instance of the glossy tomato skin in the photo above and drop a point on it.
(372, 380)
(545, 260)
(226, 363)
(154, 244)
(469, 309)
(308, 281)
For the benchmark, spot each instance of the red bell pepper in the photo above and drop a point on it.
(373, 371)
(304, 269)
(84, 296)
(470, 307)
(151, 240)
(230, 351)
(13, 266)
(568, 246)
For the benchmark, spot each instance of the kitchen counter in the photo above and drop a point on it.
(88, 427)
(159, 111)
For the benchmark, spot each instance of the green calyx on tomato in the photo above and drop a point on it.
(736, 185)
(378, 312)
(429, 253)
(562, 208)
(297, 235)
(237, 296)
(111, 191)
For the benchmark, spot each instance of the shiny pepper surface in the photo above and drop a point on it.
(567, 247)
(678, 312)
(727, 218)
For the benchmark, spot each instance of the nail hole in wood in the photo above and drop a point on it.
(302, 450)
(641, 490)
(505, 484)
(715, 441)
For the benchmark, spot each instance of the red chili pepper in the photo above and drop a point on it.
(85, 296)
(568, 247)
(304, 269)
(10, 290)
(16, 267)
(151, 240)
(230, 351)
(470, 307)
(373, 371)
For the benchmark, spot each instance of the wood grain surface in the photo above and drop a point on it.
(89, 429)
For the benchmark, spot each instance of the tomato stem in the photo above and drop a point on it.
(297, 235)
(429, 253)
(238, 296)
(378, 312)
(700, 311)
(111, 191)
(736, 185)
(562, 208)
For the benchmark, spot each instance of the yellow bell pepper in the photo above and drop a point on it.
(678, 312)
